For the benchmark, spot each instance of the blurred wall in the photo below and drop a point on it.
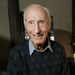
(4, 33)
(61, 10)
(4, 21)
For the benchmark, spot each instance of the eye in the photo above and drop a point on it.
(41, 22)
(30, 22)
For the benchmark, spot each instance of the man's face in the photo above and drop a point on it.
(37, 25)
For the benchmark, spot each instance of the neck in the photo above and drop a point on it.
(41, 47)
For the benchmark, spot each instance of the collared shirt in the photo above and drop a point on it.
(32, 48)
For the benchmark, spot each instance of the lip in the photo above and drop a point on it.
(38, 36)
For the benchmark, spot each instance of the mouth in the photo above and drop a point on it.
(38, 35)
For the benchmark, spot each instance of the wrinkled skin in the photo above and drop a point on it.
(37, 26)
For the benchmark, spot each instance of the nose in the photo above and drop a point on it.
(37, 28)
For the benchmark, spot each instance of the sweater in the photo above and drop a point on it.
(45, 63)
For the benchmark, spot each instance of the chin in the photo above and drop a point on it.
(37, 42)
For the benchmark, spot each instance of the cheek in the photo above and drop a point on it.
(29, 31)
(46, 30)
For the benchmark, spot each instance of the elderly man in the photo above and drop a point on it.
(40, 55)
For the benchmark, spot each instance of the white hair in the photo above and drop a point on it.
(45, 9)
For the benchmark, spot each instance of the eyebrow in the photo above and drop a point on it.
(30, 20)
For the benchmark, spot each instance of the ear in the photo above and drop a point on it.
(25, 31)
(26, 35)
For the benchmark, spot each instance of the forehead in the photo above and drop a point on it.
(35, 12)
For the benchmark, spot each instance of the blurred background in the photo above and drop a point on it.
(12, 28)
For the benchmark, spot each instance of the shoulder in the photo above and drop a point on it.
(17, 57)
(57, 47)
(55, 44)
(19, 49)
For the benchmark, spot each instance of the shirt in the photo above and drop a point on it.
(32, 48)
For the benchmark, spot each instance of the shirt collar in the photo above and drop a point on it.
(32, 48)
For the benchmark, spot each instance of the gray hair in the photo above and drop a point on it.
(45, 9)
